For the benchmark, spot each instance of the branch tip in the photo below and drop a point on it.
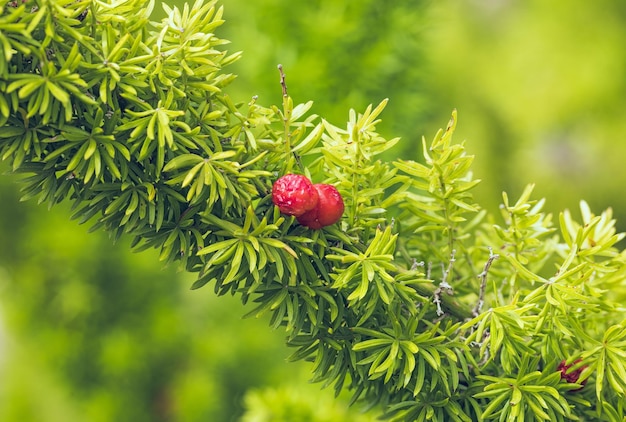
(283, 84)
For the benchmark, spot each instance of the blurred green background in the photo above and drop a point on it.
(90, 331)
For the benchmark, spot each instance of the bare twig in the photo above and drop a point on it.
(437, 300)
(415, 264)
(283, 84)
(448, 271)
(485, 358)
(483, 282)
(444, 286)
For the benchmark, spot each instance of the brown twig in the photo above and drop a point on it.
(483, 282)
(283, 84)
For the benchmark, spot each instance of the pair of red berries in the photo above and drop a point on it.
(314, 205)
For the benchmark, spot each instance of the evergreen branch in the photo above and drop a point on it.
(129, 119)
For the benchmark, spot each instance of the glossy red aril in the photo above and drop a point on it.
(328, 211)
(294, 194)
(572, 376)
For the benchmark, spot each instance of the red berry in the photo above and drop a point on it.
(571, 376)
(328, 211)
(294, 194)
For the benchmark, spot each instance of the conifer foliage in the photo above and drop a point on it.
(415, 300)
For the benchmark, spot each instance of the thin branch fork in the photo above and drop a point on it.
(483, 282)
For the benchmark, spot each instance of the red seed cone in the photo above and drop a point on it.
(328, 211)
(294, 194)
(572, 376)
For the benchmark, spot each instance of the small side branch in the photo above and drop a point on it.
(448, 271)
(444, 286)
(483, 282)
(286, 115)
(415, 264)
(283, 84)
